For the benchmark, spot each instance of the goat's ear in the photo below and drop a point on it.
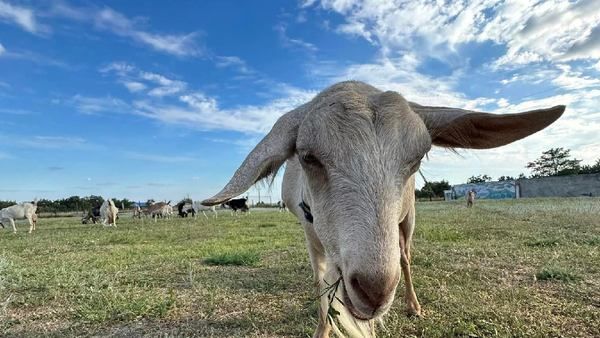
(265, 159)
(458, 128)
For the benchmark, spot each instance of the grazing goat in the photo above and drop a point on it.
(160, 209)
(185, 208)
(237, 204)
(108, 213)
(137, 211)
(92, 216)
(352, 154)
(20, 211)
(199, 208)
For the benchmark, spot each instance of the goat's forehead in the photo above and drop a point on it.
(350, 123)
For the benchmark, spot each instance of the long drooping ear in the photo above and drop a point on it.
(459, 128)
(265, 158)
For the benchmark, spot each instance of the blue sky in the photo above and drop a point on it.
(164, 100)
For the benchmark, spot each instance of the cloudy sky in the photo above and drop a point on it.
(165, 99)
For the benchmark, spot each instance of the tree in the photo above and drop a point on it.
(521, 176)
(479, 179)
(4, 204)
(554, 162)
(591, 169)
(433, 189)
(506, 178)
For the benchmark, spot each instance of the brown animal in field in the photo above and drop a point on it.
(470, 197)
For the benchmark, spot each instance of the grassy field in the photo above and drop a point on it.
(527, 268)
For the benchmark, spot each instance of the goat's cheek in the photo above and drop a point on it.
(327, 237)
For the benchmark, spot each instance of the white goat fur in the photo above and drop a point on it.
(108, 213)
(352, 154)
(199, 208)
(19, 211)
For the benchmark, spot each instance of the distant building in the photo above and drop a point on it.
(486, 190)
(560, 186)
(552, 186)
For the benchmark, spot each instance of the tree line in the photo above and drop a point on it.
(73, 203)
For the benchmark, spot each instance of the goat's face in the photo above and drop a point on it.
(358, 148)
(357, 156)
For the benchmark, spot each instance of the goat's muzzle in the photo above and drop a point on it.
(369, 296)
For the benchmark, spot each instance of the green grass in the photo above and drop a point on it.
(556, 274)
(233, 258)
(526, 268)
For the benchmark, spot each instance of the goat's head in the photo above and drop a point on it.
(358, 149)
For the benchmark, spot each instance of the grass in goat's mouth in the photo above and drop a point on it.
(330, 291)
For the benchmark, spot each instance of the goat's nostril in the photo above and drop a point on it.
(368, 292)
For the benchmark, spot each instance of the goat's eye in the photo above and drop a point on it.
(311, 159)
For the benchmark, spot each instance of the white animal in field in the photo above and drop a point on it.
(352, 154)
(108, 213)
(199, 208)
(168, 211)
(19, 211)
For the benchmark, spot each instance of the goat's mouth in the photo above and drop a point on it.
(362, 311)
(352, 309)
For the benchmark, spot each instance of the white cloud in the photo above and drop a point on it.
(107, 19)
(570, 79)
(2, 49)
(235, 62)
(289, 42)
(53, 142)
(22, 16)
(166, 86)
(134, 86)
(138, 81)
(202, 112)
(121, 68)
(193, 108)
(400, 74)
(180, 45)
(94, 105)
(532, 31)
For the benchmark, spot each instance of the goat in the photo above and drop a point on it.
(237, 204)
(352, 153)
(92, 216)
(167, 211)
(199, 208)
(160, 209)
(470, 197)
(185, 208)
(137, 211)
(20, 211)
(108, 213)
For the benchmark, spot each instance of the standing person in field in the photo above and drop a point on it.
(470, 197)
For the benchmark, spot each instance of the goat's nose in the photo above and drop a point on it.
(373, 291)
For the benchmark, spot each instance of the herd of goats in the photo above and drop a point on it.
(107, 213)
